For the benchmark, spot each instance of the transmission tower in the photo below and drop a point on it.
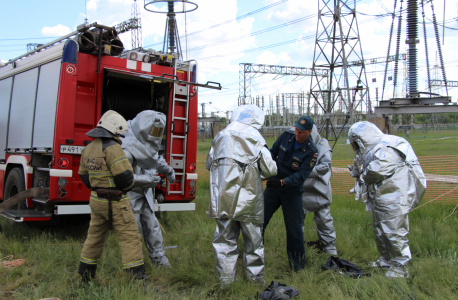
(136, 24)
(338, 43)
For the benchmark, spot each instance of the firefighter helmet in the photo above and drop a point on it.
(113, 122)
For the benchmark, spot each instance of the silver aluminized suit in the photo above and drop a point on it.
(394, 183)
(317, 195)
(238, 160)
(141, 149)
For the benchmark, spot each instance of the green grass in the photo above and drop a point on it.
(443, 142)
(52, 254)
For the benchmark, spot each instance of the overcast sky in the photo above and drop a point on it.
(244, 39)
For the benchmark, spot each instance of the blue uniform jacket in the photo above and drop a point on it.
(294, 165)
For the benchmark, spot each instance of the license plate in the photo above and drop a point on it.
(71, 149)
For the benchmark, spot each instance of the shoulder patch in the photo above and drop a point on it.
(312, 147)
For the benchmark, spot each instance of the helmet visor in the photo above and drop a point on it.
(157, 132)
(355, 146)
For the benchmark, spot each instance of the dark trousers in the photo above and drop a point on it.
(291, 204)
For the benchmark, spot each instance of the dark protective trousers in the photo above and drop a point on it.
(293, 210)
(123, 224)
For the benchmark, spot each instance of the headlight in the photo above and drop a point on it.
(62, 182)
(192, 184)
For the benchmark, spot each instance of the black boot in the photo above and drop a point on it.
(87, 271)
(138, 272)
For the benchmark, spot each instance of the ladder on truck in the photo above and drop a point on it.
(178, 160)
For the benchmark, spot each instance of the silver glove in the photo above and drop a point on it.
(170, 174)
(354, 170)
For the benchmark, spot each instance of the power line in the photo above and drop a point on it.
(283, 83)
(23, 39)
(13, 50)
(231, 20)
(277, 44)
(255, 33)
(12, 45)
(384, 7)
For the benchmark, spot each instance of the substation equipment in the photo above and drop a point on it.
(416, 101)
(339, 85)
(51, 96)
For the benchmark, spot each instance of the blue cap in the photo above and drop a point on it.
(304, 123)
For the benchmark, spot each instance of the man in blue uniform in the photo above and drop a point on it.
(295, 155)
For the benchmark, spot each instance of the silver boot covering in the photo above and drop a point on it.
(394, 183)
(141, 145)
(317, 195)
(238, 160)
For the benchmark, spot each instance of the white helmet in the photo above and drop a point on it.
(113, 122)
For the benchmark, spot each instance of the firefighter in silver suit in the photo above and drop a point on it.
(317, 195)
(394, 183)
(141, 145)
(238, 161)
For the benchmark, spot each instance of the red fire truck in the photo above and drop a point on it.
(52, 96)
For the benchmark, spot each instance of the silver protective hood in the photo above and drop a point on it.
(241, 139)
(138, 140)
(317, 187)
(238, 160)
(315, 135)
(249, 115)
(366, 132)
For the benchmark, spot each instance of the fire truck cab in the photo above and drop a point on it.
(51, 96)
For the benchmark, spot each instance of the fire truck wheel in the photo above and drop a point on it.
(14, 184)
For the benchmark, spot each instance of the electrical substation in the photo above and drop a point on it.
(340, 90)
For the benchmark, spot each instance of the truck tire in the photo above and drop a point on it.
(15, 183)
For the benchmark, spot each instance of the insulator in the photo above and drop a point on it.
(398, 42)
(412, 36)
(389, 47)
(426, 46)
(439, 47)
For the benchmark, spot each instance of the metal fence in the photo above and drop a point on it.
(441, 175)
